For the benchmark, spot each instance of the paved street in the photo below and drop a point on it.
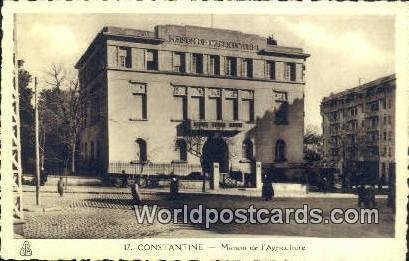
(88, 215)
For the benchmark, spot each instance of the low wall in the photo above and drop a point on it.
(70, 180)
(282, 189)
(186, 184)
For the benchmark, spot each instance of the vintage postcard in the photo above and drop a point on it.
(175, 130)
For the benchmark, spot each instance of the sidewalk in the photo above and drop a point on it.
(244, 192)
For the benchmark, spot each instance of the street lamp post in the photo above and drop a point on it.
(37, 147)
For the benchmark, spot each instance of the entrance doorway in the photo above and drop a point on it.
(215, 150)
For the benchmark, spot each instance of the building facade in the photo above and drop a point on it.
(358, 129)
(180, 94)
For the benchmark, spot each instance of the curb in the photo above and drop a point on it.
(251, 194)
(43, 209)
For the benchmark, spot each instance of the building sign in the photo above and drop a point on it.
(179, 91)
(214, 92)
(246, 94)
(212, 43)
(196, 91)
(230, 94)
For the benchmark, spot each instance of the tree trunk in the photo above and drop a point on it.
(73, 156)
(203, 177)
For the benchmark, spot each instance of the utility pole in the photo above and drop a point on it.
(37, 143)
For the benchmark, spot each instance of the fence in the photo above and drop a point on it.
(180, 169)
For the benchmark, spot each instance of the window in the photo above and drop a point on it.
(214, 64)
(384, 135)
(196, 108)
(152, 59)
(289, 72)
(374, 121)
(182, 148)
(247, 149)
(179, 62)
(389, 119)
(231, 66)
(248, 68)
(231, 109)
(180, 107)
(139, 102)
(384, 152)
(353, 111)
(374, 106)
(271, 70)
(215, 108)
(389, 152)
(124, 57)
(390, 136)
(141, 150)
(197, 63)
(247, 110)
(280, 151)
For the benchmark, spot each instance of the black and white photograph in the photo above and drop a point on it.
(152, 128)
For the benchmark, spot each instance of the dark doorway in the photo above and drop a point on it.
(215, 150)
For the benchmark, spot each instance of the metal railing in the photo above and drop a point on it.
(180, 169)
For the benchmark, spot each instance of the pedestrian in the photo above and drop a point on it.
(124, 180)
(136, 197)
(60, 186)
(361, 195)
(391, 196)
(325, 184)
(371, 196)
(267, 191)
(174, 188)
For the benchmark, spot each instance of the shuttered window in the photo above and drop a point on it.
(180, 108)
(214, 109)
(196, 108)
(139, 105)
(247, 110)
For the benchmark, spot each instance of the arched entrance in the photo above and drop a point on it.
(215, 150)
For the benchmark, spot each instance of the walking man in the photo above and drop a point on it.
(60, 186)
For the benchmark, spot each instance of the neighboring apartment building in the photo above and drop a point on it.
(147, 93)
(358, 128)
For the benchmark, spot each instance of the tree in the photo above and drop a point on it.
(60, 116)
(312, 145)
(26, 121)
(194, 145)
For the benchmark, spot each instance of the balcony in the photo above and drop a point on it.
(215, 125)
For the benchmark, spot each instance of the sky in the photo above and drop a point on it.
(345, 50)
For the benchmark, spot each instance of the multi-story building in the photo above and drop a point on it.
(149, 95)
(358, 129)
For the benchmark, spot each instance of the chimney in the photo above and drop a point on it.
(271, 40)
